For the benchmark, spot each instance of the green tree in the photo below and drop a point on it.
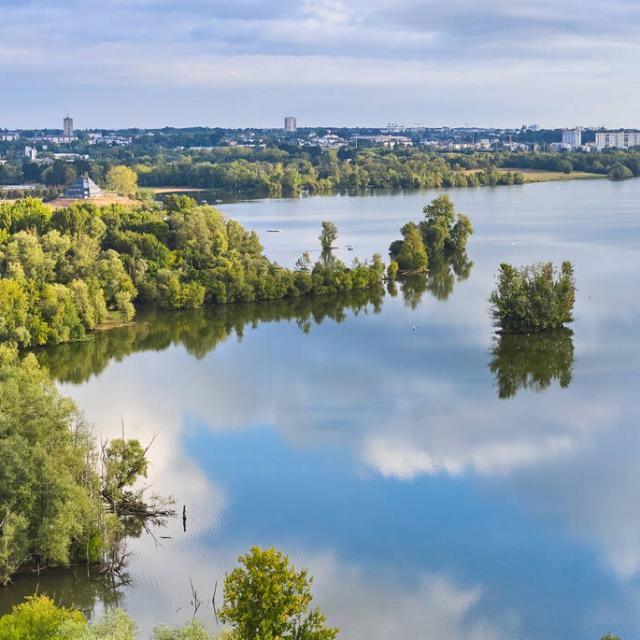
(620, 172)
(60, 174)
(392, 271)
(40, 619)
(533, 298)
(328, 235)
(410, 252)
(122, 180)
(266, 598)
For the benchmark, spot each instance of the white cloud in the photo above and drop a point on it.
(517, 58)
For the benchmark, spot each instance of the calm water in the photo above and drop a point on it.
(435, 482)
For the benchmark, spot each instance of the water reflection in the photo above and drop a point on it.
(198, 330)
(439, 281)
(83, 588)
(532, 361)
(381, 458)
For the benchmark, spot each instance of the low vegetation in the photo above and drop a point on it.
(533, 298)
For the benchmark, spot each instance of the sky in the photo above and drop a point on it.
(248, 63)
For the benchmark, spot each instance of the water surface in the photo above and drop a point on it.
(436, 481)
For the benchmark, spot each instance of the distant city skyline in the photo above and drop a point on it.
(248, 63)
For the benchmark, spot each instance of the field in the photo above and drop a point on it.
(538, 175)
(104, 200)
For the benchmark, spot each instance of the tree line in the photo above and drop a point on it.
(274, 172)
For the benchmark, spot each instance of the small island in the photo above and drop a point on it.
(441, 236)
(533, 298)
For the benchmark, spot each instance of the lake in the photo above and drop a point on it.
(436, 481)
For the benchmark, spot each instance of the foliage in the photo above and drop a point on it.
(266, 598)
(532, 361)
(64, 274)
(52, 509)
(114, 625)
(619, 172)
(410, 253)
(441, 238)
(328, 235)
(122, 180)
(38, 618)
(392, 271)
(193, 631)
(533, 298)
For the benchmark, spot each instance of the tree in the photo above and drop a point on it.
(410, 252)
(60, 173)
(266, 598)
(38, 618)
(533, 298)
(328, 235)
(54, 496)
(122, 180)
(620, 172)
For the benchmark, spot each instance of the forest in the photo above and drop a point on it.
(66, 272)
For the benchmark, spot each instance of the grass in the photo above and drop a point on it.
(103, 200)
(539, 175)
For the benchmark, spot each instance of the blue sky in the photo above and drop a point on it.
(329, 62)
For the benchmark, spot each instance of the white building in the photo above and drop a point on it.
(384, 140)
(290, 124)
(617, 139)
(31, 153)
(329, 141)
(572, 138)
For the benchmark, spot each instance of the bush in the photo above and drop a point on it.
(533, 298)
(38, 618)
(620, 172)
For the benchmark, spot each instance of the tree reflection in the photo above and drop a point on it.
(532, 361)
(198, 330)
(440, 279)
(83, 588)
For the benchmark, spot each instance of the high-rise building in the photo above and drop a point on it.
(290, 125)
(572, 138)
(617, 139)
(68, 127)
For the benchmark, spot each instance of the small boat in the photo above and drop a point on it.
(273, 230)
(349, 247)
